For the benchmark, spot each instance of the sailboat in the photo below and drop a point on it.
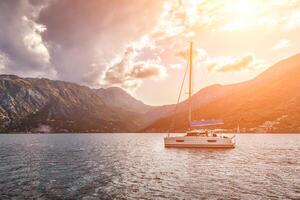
(197, 138)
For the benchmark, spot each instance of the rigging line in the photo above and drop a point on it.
(178, 99)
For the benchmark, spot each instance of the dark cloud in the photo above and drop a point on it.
(85, 35)
(20, 37)
(72, 22)
(71, 40)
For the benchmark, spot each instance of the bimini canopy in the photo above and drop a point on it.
(206, 123)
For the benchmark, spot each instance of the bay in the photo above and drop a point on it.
(137, 166)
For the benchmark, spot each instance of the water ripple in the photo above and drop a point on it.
(137, 166)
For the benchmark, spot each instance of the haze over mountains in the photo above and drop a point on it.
(270, 102)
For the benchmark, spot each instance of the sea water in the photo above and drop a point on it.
(137, 166)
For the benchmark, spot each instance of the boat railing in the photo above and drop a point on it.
(233, 138)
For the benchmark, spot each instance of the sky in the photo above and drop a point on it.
(141, 45)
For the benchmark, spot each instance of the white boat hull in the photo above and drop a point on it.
(199, 142)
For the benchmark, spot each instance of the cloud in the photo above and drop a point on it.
(70, 40)
(281, 44)
(125, 71)
(33, 42)
(144, 70)
(83, 41)
(85, 36)
(73, 22)
(198, 54)
(176, 66)
(21, 39)
(92, 77)
(292, 21)
(146, 57)
(227, 64)
(4, 60)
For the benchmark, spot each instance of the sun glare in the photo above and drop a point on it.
(234, 14)
(241, 14)
(240, 8)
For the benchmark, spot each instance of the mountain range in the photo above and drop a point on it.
(269, 102)
(42, 105)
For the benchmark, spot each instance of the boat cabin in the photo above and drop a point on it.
(202, 133)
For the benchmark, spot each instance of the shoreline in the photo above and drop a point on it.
(82, 133)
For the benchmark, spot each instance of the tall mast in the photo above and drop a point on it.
(190, 83)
